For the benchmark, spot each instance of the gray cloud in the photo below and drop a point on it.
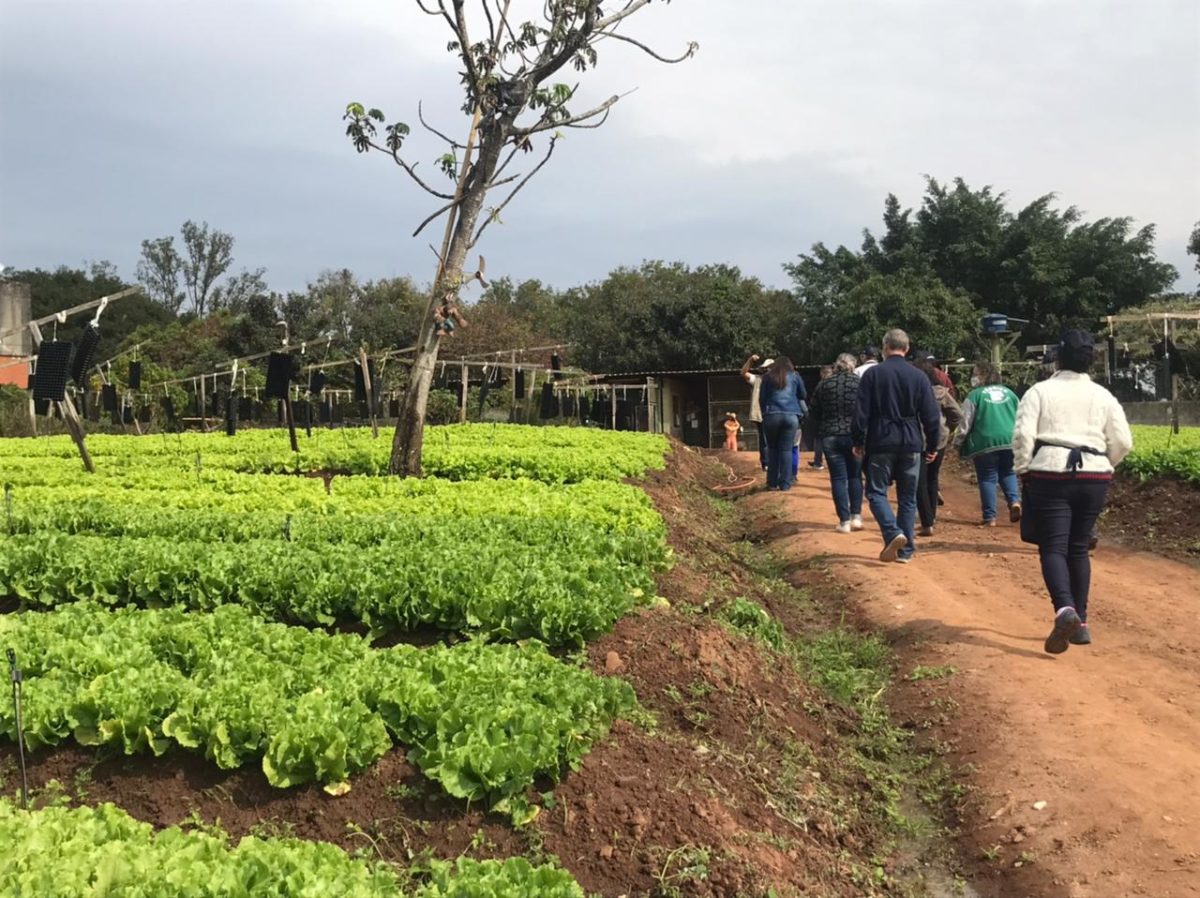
(119, 120)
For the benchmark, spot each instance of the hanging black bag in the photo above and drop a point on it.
(279, 375)
(108, 398)
(548, 410)
(231, 415)
(135, 375)
(316, 383)
(53, 362)
(84, 353)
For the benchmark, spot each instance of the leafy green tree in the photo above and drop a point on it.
(1041, 264)
(936, 318)
(1193, 246)
(669, 316)
(508, 75)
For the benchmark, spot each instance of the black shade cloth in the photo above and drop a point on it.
(168, 406)
(316, 382)
(279, 375)
(53, 364)
(520, 378)
(231, 415)
(360, 383)
(135, 375)
(568, 406)
(325, 412)
(40, 406)
(245, 408)
(144, 414)
(549, 405)
(585, 408)
(108, 397)
(556, 366)
(394, 408)
(84, 353)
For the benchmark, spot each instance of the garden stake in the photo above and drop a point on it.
(8, 505)
(15, 673)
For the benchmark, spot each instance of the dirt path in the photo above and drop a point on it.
(1108, 736)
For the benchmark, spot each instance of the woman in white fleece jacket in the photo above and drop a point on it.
(1069, 437)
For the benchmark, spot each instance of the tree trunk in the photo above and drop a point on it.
(410, 427)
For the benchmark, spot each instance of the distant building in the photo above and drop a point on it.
(16, 346)
(689, 405)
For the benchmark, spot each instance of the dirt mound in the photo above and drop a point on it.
(1161, 515)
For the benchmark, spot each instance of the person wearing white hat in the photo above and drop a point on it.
(755, 381)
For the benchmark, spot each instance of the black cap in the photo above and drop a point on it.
(870, 352)
(1076, 340)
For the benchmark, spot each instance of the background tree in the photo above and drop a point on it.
(509, 92)
(190, 277)
(1193, 247)
(66, 287)
(1042, 264)
(669, 316)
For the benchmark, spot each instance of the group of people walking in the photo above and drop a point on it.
(889, 418)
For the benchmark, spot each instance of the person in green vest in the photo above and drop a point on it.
(989, 414)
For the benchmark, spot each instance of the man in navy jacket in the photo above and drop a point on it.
(896, 419)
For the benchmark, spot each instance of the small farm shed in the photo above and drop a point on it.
(689, 404)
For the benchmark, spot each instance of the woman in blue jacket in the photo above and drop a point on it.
(782, 398)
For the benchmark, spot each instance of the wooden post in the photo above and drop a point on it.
(614, 407)
(70, 417)
(466, 388)
(66, 409)
(291, 420)
(203, 407)
(366, 373)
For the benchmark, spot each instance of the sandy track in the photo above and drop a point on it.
(1107, 735)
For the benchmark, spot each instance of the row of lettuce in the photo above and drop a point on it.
(89, 852)
(183, 597)
(452, 452)
(1159, 452)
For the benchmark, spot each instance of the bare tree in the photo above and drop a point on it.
(513, 101)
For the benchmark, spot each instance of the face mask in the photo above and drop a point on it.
(976, 380)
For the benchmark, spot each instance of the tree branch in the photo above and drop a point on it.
(629, 9)
(603, 119)
(446, 208)
(495, 213)
(687, 54)
(426, 10)
(460, 17)
(573, 121)
(410, 170)
(432, 130)
(572, 43)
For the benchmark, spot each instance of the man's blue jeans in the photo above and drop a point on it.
(845, 476)
(992, 469)
(904, 469)
(781, 434)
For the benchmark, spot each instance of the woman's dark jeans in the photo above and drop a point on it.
(1065, 511)
(928, 482)
(845, 476)
(780, 431)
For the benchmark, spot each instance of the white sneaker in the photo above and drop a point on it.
(843, 527)
(856, 522)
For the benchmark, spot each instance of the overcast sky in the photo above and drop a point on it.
(120, 119)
